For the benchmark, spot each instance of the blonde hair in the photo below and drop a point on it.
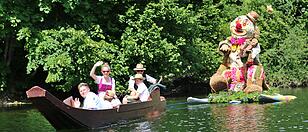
(82, 84)
(106, 65)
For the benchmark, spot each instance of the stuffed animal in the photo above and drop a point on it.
(243, 42)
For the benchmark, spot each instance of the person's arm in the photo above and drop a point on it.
(113, 85)
(224, 46)
(92, 72)
(113, 88)
(142, 92)
(150, 79)
(136, 96)
(131, 83)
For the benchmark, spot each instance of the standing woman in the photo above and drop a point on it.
(106, 84)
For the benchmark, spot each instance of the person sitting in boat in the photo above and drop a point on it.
(91, 100)
(149, 81)
(106, 84)
(141, 94)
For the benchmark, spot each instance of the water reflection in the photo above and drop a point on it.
(239, 117)
(22, 118)
(180, 116)
(137, 125)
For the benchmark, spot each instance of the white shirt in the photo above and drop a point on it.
(143, 92)
(131, 82)
(92, 101)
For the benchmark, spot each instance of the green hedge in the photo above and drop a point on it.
(173, 38)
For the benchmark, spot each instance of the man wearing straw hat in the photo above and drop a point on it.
(148, 80)
(141, 94)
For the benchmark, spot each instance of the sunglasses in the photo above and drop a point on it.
(105, 71)
(139, 71)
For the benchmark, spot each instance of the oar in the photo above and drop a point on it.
(161, 78)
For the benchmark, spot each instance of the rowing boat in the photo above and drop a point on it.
(62, 116)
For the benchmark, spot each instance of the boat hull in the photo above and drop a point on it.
(62, 116)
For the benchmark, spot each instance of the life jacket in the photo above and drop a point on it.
(104, 87)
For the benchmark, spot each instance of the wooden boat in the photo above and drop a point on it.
(263, 98)
(62, 116)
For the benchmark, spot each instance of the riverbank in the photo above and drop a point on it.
(13, 100)
(5, 103)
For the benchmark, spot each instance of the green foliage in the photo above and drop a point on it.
(227, 96)
(287, 63)
(165, 36)
(172, 38)
(67, 55)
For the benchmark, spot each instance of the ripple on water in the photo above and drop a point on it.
(282, 129)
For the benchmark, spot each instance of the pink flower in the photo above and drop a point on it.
(238, 41)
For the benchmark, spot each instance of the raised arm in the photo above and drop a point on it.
(92, 72)
(131, 83)
(150, 79)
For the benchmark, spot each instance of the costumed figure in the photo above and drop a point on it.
(243, 43)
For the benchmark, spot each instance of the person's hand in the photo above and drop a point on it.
(129, 97)
(132, 92)
(98, 63)
(254, 42)
(76, 103)
(224, 48)
(132, 89)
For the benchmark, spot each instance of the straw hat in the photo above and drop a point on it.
(138, 76)
(253, 16)
(139, 67)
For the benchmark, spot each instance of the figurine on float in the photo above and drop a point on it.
(233, 74)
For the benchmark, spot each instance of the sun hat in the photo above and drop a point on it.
(138, 76)
(253, 16)
(139, 67)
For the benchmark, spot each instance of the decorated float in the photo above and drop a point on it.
(241, 76)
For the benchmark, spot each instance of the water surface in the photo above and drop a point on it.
(180, 116)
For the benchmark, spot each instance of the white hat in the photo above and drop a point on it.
(139, 67)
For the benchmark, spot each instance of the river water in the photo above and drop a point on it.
(180, 116)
